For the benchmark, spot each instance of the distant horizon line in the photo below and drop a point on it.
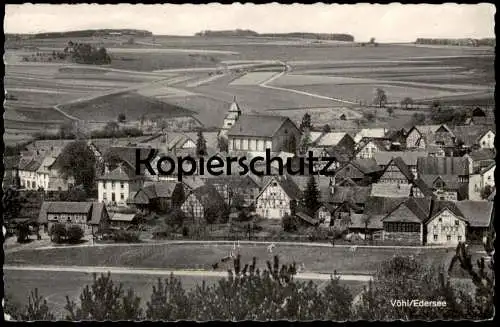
(238, 29)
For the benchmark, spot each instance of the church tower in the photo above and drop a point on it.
(231, 117)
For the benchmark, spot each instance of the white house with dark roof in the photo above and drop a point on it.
(261, 132)
(273, 202)
(116, 186)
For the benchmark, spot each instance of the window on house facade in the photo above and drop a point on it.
(112, 184)
(440, 219)
(435, 237)
(104, 185)
(459, 237)
(456, 222)
(122, 196)
(122, 185)
(448, 237)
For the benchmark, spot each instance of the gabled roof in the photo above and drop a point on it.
(418, 207)
(403, 168)
(305, 217)
(477, 213)
(487, 168)
(431, 129)
(381, 205)
(451, 181)
(482, 154)
(370, 133)
(125, 217)
(366, 166)
(423, 187)
(95, 209)
(287, 184)
(443, 166)
(391, 190)
(120, 173)
(127, 154)
(409, 157)
(257, 125)
(440, 206)
(355, 194)
(208, 195)
(31, 164)
(330, 139)
(471, 134)
(233, 182)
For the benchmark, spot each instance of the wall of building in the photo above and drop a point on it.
(273, 203)
(106, 189)
(446, 229)
(487, 141)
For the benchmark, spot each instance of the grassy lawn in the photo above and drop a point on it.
(196, 256)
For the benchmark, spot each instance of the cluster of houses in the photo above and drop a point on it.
(430, 184)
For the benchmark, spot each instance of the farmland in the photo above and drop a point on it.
(175, 77)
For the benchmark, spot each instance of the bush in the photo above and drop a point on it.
(185, 231)
(58, 233)
(23, 233)
(289, 224)
(125, 236)
(74, 234)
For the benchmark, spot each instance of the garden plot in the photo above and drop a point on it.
(253, 78)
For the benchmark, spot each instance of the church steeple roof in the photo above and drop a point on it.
(234, 106)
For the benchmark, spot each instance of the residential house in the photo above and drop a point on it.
(370, 133)
(261, 132)
(397, 139)
(361, 171)
(355, 196)
(421, 136)
(480, 179)
(273, 202)
(480, 117)
(28, 168)
(204, 205)
(396, 172)
(446, 224)
(444, 187)
(409, 158)
(230, 186)
(479, 216)
(122, 220)
(481, 158)
(332, 139)
(367, 148)
(370, 220)
(88, 215)
(158, 196)
(115, 186)
(475, 137)
(406, 222)
(49, 176)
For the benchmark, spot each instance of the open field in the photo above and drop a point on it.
(196, 256)
(254, 78)
(132, 104)
(56, 285)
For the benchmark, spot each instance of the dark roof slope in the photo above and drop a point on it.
(442, 166)
(257, 125)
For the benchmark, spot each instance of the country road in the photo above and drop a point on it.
(165, 272)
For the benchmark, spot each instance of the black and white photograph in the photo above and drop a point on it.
(249, 162)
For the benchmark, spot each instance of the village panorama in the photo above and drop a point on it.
(392, 220)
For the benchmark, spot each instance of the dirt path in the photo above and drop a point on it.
(165, 272)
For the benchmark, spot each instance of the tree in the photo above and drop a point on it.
(486, 192)
(36, 309)
(418, 118)
(311, 196)
(407, 102)
(306, 122)
(405, 277)
(222, 144)
(112, 127)
(75, 194)
(23, 233)
(122, 118)
(380, 97)
(176, 217)
(237, 201)
(326, 128)
(67, 131)
(369, 116)
(372, 40)
(103, 300)
(11, 202)
(201, 145)
(169, 301)
(390, 111)
(74, 234)
(305, 141)
(77, 160)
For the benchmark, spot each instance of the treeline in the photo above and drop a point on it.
(91, 33)
(69, 132)
(240, 32)
(273, 293)
(459, 42)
